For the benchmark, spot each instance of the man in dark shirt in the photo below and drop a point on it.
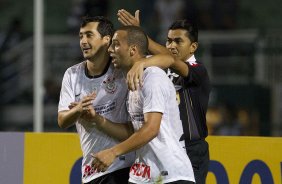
(192, 84)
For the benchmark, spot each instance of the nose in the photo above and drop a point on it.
(83, 40)
(171, 45)
(110, 49)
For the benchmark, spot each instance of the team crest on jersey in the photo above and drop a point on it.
(109, 84)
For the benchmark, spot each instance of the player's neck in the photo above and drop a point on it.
(131, 62)
(97, 65)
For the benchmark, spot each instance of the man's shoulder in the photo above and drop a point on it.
(75, 68)
(155, 76)
(154, 70)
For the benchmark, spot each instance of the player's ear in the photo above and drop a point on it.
(133, 50)
(193, 47)
(107, 40)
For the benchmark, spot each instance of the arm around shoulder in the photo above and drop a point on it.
(180, 67)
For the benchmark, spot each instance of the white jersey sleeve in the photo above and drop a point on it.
(154, 92)
(67, 92)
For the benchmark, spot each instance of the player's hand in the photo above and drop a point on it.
(103, 159)
(135, 75)
(83, 105)
(88, 112)
(73, 104)
(126, 19)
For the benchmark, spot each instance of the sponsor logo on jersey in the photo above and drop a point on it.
(137, 117)
(141, 171)
(105, 108)
(88, 170)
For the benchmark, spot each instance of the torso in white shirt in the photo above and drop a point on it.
(163, 159)
(110, 102)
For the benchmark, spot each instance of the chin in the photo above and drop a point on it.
(87, 57)
(116, 66)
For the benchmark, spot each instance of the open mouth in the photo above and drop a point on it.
(113, 58)
(86, 49)
(173, 52)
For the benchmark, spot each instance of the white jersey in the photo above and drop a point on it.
(110, 102)
(164, 158)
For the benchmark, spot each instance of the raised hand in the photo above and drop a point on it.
(126, 19)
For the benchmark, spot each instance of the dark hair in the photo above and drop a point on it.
(191, 28)
(136, 36)
(105, 26)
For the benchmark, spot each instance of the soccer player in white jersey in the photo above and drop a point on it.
(96, 75)
(160, 157)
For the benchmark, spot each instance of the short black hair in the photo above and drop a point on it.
(190, 27)
(136, 36)
(105, 26)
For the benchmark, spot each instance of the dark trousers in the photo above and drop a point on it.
(198, 152)
(117, 177)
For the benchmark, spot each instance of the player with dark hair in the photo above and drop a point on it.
(160, 157)
(192, 84)
(95, 82)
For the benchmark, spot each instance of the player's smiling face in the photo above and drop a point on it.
(91, 41)
(179, 44)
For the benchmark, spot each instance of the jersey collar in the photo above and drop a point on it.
(191, 60)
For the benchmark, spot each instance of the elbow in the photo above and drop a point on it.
(61, 123)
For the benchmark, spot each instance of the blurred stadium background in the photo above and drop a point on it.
(240, 43)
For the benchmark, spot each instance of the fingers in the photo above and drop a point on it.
(98, 165)
(87, 100)
(122, 22)
(86, 105)
(134, 76)
(136, 83)
(126, 18)
(137, 14)
(72, 105)
(130, 82)
(92, 95)
(139, 76)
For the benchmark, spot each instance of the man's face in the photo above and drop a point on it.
(179, 44)
(119, 50)
(91, 41)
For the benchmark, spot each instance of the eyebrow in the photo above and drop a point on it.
(174, 39)
(86, 32)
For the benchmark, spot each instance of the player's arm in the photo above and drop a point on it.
(145, 134)
(68, 117)
(135, 74)
(125, 18)
(119, 131)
